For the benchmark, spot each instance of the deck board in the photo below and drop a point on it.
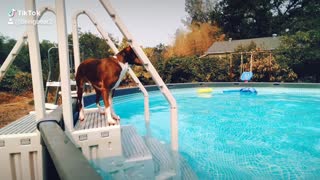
(92, 119)
(26, 124)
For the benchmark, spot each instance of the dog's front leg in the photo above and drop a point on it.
(79, 97)
(113, 114)
(105, 95)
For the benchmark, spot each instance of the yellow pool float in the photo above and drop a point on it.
(205, 90)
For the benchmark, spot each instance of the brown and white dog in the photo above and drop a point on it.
(104, 75)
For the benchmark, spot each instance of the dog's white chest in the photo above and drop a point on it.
(125, 68)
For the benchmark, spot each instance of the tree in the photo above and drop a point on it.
(291, 16)
(198, 10)
(124, 43)
(195, 41)
(94, 46)
(241, 19)
(301, 52)
(6, 44)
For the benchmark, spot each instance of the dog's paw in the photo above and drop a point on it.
(112, 122)
(81, 116)
(116, 117)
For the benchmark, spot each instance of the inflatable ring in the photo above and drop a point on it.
(205, 90)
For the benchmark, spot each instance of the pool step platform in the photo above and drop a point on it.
(92, 119)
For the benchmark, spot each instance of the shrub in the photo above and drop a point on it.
(266, 70)
(16, 81)
(193, 69)
(8, 80)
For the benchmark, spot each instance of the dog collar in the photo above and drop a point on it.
(125, 68)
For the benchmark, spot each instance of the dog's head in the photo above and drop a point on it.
(130, 56)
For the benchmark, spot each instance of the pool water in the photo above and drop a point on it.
(272, 135)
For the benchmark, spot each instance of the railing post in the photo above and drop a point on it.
(35, 59)
(64, 64)
(75, 41)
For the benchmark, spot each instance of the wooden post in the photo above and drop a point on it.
(269, 68)
(251, 61)
(241, 64)
(230, 61)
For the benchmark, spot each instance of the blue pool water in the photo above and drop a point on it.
(272, 135)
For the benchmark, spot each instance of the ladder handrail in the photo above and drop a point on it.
(12, 56)
(148, 65)
(105, 35)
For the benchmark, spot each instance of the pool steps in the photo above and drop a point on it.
(20, 150)
(141, 157)
(164, 164)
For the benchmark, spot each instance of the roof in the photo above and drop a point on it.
(264, 44)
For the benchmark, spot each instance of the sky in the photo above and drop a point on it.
(150, 22)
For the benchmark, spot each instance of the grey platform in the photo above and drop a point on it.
(26, 124)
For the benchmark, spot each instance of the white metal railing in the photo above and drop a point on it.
(147, 64)
(64, 65)
(106, 37)
(35, 61)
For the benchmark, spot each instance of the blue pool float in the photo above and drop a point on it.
(231, 91)
(248, 90)
(242, 90)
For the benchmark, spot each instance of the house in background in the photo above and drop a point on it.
(225, 49)
(265, 44)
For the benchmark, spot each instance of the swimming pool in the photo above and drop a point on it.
(272, 135)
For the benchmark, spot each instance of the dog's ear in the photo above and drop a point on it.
(128, 49)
